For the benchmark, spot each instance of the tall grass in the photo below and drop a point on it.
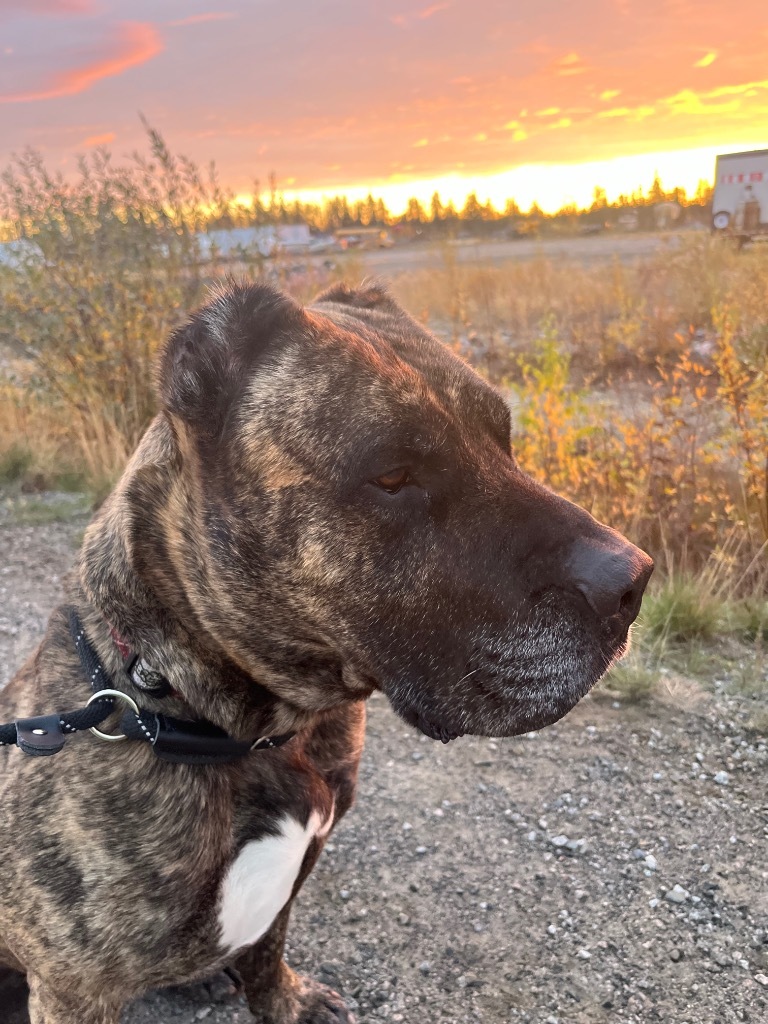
(104, 268)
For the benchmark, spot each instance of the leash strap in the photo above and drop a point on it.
(172, 739)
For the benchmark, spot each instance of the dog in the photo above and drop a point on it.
(327, 504)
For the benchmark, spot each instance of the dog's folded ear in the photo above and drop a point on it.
(367, 296)
(206, 362)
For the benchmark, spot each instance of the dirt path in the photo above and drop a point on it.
(523, 880)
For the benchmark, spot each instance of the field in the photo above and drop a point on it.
(531, 880)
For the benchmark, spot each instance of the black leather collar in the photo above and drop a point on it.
(172, 739)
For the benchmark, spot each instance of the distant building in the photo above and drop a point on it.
(254, 242)
(14, 254)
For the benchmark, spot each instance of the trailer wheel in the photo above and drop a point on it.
(721, 220)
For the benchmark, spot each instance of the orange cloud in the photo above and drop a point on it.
(434, 9)
(199, 19)
(570, 64)
(99, 140)
(401, 20)
(136, 43)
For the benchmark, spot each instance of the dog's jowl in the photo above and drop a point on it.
(326, 504)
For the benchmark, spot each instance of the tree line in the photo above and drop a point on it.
(270, 207)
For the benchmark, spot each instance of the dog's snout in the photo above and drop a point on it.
(611, 577)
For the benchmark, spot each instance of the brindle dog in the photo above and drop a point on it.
(326, 505)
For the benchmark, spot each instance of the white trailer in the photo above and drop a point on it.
(740, 201)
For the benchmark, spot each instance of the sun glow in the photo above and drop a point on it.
(550, 186)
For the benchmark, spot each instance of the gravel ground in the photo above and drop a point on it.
(611, 868)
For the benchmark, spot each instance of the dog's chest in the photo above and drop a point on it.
(259, 881)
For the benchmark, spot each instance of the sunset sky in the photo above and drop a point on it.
(536, 99)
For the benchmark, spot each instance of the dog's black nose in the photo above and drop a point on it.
(611, 574)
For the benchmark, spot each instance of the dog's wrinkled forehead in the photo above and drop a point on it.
(253, 360)
(372, 370)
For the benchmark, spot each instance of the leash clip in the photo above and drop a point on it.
(41, 736)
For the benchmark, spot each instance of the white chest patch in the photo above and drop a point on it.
(259, 881)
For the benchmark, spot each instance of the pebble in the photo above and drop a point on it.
(762, 979)
(677, 894)
(559, 841)
(425, 967)
(721, 778)
(650, 862)
(584, 954)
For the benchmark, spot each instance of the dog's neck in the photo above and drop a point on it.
(131, 585)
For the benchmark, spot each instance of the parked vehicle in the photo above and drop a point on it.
(364, 238)
(740, 201)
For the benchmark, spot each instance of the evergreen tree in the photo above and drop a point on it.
(383, 216)
(414, 213)
(472, 210)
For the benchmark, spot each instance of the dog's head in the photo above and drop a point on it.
(354, 518)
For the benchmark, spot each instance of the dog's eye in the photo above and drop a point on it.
(393, 481)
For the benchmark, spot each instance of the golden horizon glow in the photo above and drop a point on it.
(551, 187)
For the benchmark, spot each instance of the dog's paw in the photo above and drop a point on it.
(301, 1001)
(325, 1007)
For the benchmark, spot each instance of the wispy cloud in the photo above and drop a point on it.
(135, 43)
(200, 19)
(705, 61)
(47, 6)
(688, 102)
(98, 140)
(434, 9)
(570, 64)
(401, 20)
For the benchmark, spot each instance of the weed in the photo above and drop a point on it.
(633, 679)
(15, 462)
(680, 610)
(54, 508)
